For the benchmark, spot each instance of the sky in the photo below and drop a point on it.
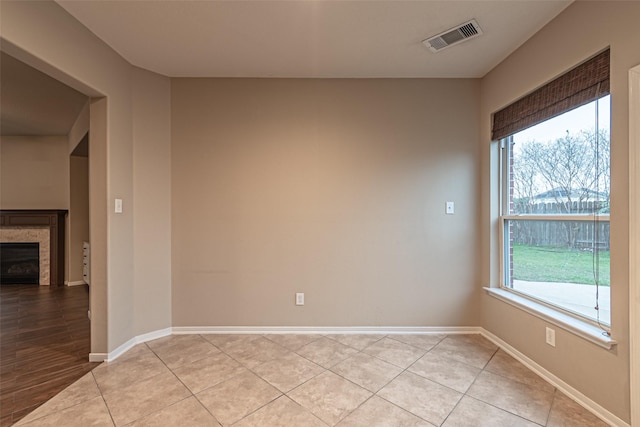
(576, 120)
(581, 118)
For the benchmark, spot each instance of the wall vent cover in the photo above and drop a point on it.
(453, 36)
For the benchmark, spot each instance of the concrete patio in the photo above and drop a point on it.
(578, 298)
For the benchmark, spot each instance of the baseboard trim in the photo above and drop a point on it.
(75, 283)
(123, 348)
(590, 405)
(185, 330)
(421, 330)
(98, 357)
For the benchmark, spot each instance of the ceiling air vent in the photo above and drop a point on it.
(463, 32)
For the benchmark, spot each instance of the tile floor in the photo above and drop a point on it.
(312, 380)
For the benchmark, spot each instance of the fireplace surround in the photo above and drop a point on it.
(46, 227)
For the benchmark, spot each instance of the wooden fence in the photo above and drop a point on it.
(583, 235)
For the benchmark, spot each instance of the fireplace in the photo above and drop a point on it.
(45, 228)
(20, 263)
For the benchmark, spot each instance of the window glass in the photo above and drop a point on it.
(556, 204)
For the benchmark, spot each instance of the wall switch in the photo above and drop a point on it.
(118, 206)
(551, 337)
(449, 208)
(299, 299)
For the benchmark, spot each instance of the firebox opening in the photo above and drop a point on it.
(20, 263)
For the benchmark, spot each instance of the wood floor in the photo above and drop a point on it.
(44, 345)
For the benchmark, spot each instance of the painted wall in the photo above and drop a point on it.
(34, 172)
(583, 29)
(80, 128)
(334, 188)
(46, 37)
(152, 195)
(78, 219)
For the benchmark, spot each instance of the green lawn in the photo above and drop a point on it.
(549, 264)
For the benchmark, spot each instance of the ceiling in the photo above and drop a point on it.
(310, 38)
(266, 38)
(32, 103)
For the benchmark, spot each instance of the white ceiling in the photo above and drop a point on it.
(314, 38)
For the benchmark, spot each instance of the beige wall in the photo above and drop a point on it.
(98, 214)
(334, 188)
(152, 194)
(34, 172)
(78, 218)
(582, 30)
(78, 231)
(46, 37)
(80, 128)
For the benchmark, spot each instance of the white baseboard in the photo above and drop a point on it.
(75, 283)
(113, 355)
(422, 330)
(183, 330)
(565, 388)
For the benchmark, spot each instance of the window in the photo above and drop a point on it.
(555, 191)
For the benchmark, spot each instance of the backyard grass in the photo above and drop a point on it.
(550, 264)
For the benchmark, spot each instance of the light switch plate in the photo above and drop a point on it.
(118, 206)
(450, 208)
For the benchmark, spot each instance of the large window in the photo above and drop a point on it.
(555, 205)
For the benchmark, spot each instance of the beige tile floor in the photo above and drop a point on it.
(312, 380)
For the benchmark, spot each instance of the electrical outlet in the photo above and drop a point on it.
(299, 298)
(551, 337)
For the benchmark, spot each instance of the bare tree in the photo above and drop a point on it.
(573, 171)
(601, 148)
(525, 182)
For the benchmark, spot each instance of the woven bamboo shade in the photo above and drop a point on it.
(581, 85)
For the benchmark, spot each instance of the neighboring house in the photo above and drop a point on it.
(559, 201)
(561, 195)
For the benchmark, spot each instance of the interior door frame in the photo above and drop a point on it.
(634, 241)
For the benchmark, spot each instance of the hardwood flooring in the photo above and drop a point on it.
(44, 345)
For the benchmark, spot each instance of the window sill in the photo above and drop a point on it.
(569, 323)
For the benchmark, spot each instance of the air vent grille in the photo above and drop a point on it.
(468, 30)
(453, 36)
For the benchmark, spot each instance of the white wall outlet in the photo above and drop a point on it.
(551, 337)
(299, 298)
(450, 208)
(118, 206)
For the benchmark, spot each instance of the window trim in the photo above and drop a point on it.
(578, 86)
(577, 325)
(558, 217)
